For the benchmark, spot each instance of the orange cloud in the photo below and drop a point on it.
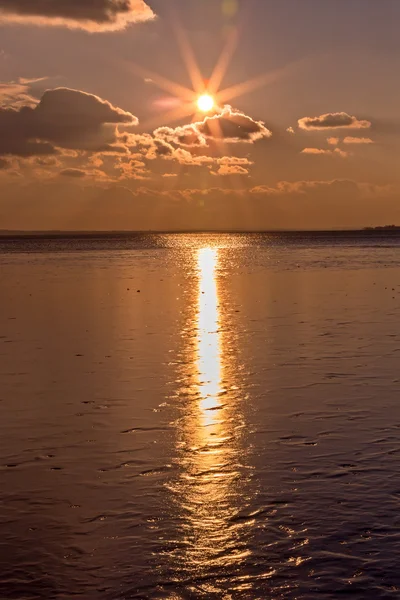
(90, 15)
(355, 140)
(227, 124)
(186, 158)
(321, 151)
(339, 120)
(5, 163)
(233, 160)
(182, 136)
(232, 126)
(231, 170)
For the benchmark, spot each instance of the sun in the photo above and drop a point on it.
(205, 103)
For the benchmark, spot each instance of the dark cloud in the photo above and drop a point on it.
(5, 163)
(90, 15)
(64, 118)
(76, 173)
(159, 149)
(232, 126)
(339, 120)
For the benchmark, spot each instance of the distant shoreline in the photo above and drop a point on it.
(387, 231)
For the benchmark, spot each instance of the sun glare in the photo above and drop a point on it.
(205, 103)
(205, 94)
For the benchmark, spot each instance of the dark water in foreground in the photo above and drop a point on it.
(231, 430)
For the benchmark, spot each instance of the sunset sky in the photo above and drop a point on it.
(100, 126)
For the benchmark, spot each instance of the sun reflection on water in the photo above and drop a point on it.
(209, 492)
(209, 351)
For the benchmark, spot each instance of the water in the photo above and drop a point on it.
(200, 416)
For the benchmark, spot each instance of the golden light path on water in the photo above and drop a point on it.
(210, 490)
(209, 350)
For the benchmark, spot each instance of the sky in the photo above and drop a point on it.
(100, 127)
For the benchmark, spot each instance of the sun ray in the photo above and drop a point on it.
(172, 87)
(251, 85)
(195, 105)
(223, 63)
(246, 86)
(189, 59)
(168, 117)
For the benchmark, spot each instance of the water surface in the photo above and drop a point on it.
(200, 416)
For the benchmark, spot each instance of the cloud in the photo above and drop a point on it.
(290, 130)
(159, 149)
(232, 126)
(82, 130)
(90, 15)
(233, 160)
(354, 140)
(5, 163)
(64, 118)
(132, 167)
(231, 170)
(182, 136)
(151, 148)
(76, 173)
(232, 165)
(46, 161)
(333, 141)
(286, 188)
(186, 158)
(323, 152)
(339, 120)
(15, 94)
(229, 125)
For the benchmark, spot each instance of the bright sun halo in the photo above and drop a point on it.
(205, 102)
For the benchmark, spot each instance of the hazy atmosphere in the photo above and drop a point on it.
(201, 114)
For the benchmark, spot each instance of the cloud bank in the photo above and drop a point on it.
(89, 15)
(68, 204)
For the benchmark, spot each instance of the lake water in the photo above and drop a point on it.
(200, 416)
